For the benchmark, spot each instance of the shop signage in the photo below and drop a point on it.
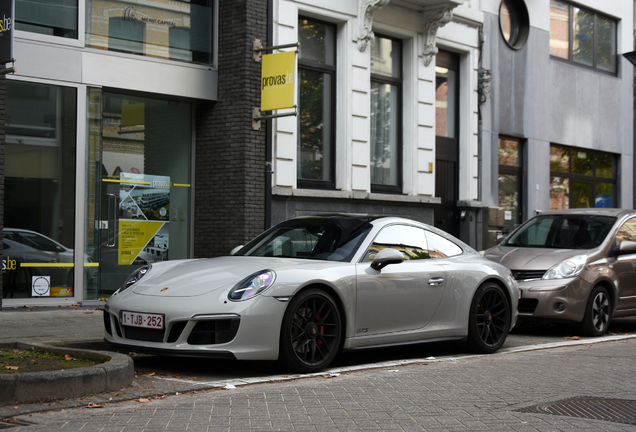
(143, 219)
(130, 14)
(6, 30)
(41, 286)
(277, 81)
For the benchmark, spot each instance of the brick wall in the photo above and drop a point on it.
(230, 156)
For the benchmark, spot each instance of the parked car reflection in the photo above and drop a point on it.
(35, 240)
(17, 279)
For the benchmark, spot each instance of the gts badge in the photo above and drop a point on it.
(362, 330)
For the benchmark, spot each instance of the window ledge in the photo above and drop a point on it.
(470, 204)
(316, 193)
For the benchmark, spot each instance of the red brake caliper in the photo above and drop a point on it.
(321, 329)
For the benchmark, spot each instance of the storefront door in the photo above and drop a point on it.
(139, 175)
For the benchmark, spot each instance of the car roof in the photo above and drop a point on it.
(592, 212)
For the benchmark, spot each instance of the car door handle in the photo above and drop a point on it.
(435, 281)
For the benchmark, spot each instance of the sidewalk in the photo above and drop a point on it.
(82, 327)
(54, 325)
(511, 392)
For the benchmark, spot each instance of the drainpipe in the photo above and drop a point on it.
(268, 134)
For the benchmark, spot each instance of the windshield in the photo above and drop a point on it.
(562, 232)
(331, 239)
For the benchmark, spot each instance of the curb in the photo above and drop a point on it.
(114, 374)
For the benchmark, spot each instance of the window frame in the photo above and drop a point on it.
(332, 71)
(399, 84)
(593, 180)
(594, 66)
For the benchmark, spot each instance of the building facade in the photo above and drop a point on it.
(129, 136)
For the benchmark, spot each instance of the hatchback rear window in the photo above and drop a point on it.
(562, 232)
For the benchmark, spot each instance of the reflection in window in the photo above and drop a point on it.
(414, 243)
(510, 181)
(445, 100)
(316, 66)
(563, 231)
(179, 30)
(49, 17)
(559, 29)
(39, 193)
(627, 231)
(514, 22)
(125, 35)
(582, 36)
(386, 72)
(581, 178)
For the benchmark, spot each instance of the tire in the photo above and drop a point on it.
(311, 332)
(489, 319)
(597, 313)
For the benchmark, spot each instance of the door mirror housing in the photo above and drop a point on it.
(236, 249)
(626, 247)
(386, 257)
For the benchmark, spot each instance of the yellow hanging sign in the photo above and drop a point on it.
(277, 81)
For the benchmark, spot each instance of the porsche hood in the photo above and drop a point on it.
(190, 278)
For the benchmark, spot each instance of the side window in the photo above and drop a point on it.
(439, 247)
(409, 240)
(627, 231)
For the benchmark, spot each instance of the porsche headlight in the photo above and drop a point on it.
(252, 285)
(566, 269)
(134, 278)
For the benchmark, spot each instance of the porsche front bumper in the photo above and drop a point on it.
(249, 330)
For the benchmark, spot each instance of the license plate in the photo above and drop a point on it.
(139, 319)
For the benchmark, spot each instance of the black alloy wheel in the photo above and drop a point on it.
(311, 332)
(597, 313)
(489, 319)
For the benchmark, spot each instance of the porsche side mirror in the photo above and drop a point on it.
(386, 257)
(235, 250)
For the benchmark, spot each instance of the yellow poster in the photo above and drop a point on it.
(144, 219)
(277, 81)
(134, 240)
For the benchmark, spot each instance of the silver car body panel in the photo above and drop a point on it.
(417, 300)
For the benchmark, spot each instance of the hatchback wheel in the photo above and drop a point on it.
(489, 319)
(311, 332)
(597, 313)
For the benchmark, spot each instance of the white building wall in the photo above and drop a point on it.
(353, 99)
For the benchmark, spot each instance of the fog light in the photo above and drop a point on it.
(559, 306)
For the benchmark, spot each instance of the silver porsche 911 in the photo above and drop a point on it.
(312, 286)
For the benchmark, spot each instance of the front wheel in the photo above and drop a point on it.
(597, 313)
(311, 332)
(489, 319)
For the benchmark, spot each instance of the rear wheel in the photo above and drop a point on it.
(489, 319)
(311, 332)
(597, 313)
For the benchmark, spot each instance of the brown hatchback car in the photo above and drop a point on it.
(575, 265)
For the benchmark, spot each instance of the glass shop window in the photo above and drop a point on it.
(177, 30)
(582, 178)
(39, 195)
(49, 17)
(510, 181)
